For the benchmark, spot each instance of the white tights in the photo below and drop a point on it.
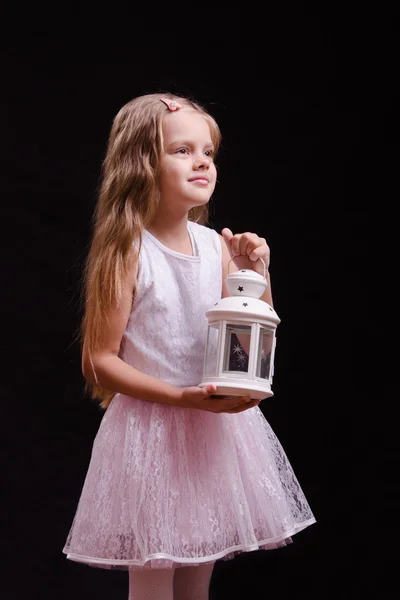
(182, 583)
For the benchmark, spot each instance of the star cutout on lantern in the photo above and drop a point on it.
(245, 304)
(240, 288)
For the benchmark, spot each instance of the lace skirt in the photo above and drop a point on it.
(170, 487)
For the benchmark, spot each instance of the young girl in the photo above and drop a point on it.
(178, 477)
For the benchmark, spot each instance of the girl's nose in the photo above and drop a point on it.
(202, 163)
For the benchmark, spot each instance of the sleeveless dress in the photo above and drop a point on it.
(169, 486)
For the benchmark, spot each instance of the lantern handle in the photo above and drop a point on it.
(263, 262)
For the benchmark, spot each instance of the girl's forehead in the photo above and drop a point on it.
(185, 123)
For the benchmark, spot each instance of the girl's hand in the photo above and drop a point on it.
(201, 398)
(250, 247)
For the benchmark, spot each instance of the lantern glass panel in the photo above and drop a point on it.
(237, 345)
(264, 354)
(211, 357)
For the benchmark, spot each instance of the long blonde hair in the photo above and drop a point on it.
(126, 204)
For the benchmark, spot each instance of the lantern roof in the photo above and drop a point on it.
(246, 282)
(245, 287)
(243, 308)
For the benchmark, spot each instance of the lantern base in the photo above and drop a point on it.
(239, 389)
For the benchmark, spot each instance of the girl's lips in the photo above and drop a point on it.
(201, 180)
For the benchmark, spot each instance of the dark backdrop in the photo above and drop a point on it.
(299, 92)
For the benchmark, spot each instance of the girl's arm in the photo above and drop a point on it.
(112, 373)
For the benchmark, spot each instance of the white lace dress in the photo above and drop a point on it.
(169, 486)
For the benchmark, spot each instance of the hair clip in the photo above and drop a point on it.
(171, 104)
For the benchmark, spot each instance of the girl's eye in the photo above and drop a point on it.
(209, 153)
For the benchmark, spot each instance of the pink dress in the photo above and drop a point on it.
(169, 486)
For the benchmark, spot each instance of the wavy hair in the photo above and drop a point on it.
(127, 201)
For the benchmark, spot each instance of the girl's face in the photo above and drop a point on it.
(187, 169)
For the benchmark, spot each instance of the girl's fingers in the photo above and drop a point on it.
(240, 243)
(227, 235)
(245, 243)
(243, 407)
(237, 404)
(209, 389)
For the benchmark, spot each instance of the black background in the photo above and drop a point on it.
(305, 96)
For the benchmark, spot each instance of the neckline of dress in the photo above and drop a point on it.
(193, 258)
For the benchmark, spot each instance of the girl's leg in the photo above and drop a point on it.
(192, 583)
(151, 584)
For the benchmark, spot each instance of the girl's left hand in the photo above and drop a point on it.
(248, 245)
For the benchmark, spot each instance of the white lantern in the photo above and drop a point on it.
(240, 348)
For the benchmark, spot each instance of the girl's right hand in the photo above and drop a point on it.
(202, 398)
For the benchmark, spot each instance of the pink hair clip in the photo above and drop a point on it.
(171, 104)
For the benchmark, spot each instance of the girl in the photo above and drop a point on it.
(178, 478)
